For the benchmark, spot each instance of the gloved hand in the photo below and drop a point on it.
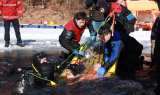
(20, 18)
(76, 52)
(93, 34)
(0, 17)
(105, 59)
(101, 71)
(106, 51)
(92, 37)
(81, 53)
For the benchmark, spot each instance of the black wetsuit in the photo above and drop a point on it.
(124, 18)
(95, 14)
(71, 35)
(46, 70)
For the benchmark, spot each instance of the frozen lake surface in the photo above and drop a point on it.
(39, 39)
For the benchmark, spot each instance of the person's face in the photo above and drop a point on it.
(105, 38)
(80, 23)
(43, 60)
(101, 10)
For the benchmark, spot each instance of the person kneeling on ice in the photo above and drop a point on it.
(121, 47)
(71, 79)
(72, 33)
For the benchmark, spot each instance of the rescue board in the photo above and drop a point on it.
(89, 64)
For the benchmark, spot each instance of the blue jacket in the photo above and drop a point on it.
(120, 45)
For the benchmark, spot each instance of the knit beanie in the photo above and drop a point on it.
(105, 5)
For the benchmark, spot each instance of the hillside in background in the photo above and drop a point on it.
(58, 11)
(61, 11)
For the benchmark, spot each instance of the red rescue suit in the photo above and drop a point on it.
(10, 9)
(71, 35)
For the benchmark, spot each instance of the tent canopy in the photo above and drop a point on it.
(141, 5)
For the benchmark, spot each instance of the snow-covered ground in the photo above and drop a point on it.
(39, 39)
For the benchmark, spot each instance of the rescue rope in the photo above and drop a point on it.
(86, 41)
(91, 72)
(113, 24)
(52, 82)
(35, 68)
(153, 68)
(113, 15)
(84, 44)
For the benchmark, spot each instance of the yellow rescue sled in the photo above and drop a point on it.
(97, 58)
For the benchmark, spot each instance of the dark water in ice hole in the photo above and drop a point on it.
(142, 84)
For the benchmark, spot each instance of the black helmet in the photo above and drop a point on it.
(37, 58)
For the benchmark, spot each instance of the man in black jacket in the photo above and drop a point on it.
(72, 33)
(95, 15)
(124, 18)
(153, 38)
(157, 53)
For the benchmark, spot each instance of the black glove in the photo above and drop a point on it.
(79, 68)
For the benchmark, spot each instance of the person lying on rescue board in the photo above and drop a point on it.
(71, 79)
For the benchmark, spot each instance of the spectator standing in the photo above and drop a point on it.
(8, 8)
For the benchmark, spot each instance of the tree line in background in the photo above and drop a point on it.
(58, 5)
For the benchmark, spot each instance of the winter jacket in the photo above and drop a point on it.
(121, 44)
(125, 20)
(94, 14)
(71, 35)
(10, 9)
(154, 28)
(156, 55)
